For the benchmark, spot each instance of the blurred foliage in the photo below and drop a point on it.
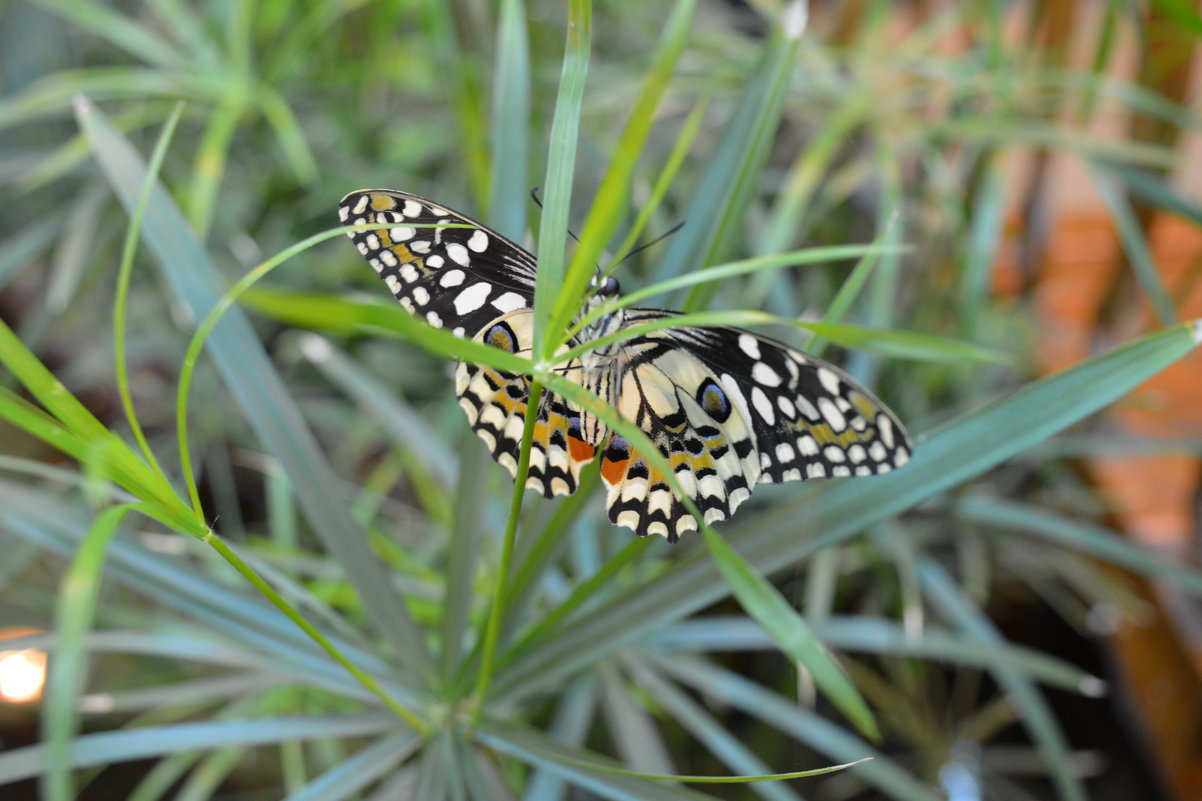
(334, 465)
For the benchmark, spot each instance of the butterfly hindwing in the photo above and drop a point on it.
(698, 426)
(810, 419)
(454, 278)
(496, 403)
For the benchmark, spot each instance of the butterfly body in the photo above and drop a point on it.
(728, 409)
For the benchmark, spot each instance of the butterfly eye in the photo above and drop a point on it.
(711, 398)
(608, 287)
(501, 336)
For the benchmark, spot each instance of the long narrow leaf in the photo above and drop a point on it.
(787, 628)
(254, 383)
(834, 511)
(73, 617)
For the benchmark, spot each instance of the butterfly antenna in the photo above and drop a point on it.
(538, 202)
(657, 240)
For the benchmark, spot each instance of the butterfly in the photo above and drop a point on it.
(727, 409)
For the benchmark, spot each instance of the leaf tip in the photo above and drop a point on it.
(794, 20)
(83, 106)
(316, 349)
(1092, 687)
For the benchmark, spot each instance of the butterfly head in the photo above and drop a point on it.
(604, 286)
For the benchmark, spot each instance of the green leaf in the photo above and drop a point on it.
(255, 385)
(831, 512)
(787, 628)
(74, 613)
(561, 164)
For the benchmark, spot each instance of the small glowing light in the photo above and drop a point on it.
(22, 675)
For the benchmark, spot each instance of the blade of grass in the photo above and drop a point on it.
(104, 748)
(1079, 535)
(725, 745)
(356, 772)
(255, 385)
(1032, 710)
(733, 690)
(609, 205)
(128, 249)
(1135, 245)
(561, 162)
(663, 181)
(787, 628)
(510, 123)
(984, 237)
(606, 778)
(500, 598)
(119, 29)
(462, 552)
(751, 149)
(74, 613)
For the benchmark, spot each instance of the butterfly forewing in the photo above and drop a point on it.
(458, 278)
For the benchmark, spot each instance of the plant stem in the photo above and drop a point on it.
(511, 530)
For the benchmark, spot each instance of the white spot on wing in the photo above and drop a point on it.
(478, 241)
(412, 208)
(829, 380)
(471, 298)
(832, 414)
(458, 254)
(807, 408)
(361, 205)
(510, 301)
(401, 233)
(749, 345)
(885, 426)
(434, 261)
(762, 405)
(421, 295)
(452, 278)
(765, 375)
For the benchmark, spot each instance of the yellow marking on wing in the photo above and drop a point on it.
(383, 202)
(695, 463)
(825, 435)
(867, 409)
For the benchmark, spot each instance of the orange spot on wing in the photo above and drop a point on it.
(613, 472)
(580, 450)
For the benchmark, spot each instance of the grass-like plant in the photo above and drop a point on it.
(398, 622)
